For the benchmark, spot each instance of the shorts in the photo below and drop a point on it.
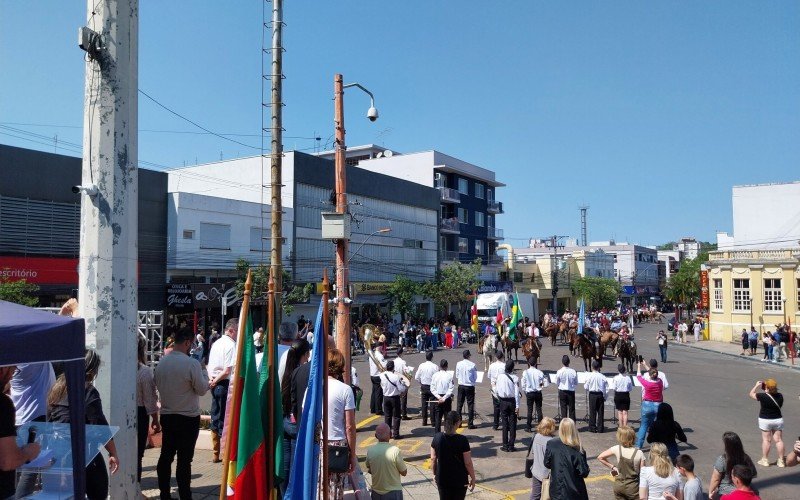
(770, 424)
(622, 401)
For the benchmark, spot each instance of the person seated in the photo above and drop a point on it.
(616, 324)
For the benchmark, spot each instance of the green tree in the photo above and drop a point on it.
(683, 287)
(598, 292)
(18, 291)
(293, 293)
(401, 295)
(453, 285)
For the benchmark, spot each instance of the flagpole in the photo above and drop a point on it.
(233, 418)
(324, 337)
(270, 437)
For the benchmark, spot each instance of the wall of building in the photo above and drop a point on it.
(766, 215)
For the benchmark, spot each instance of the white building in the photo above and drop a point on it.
(765, 216)
(688, 247)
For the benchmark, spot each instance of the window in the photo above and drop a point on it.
(478, 247)
(773, 300)
(463, 216)
(489, 195)
(797, 292)
(215, 236)
(256, 238)
(479, 190)
(517, 277)
(741, 295)
(717, 294)
(412, 243)
(463, 245)
(188, 234)
(463, 186)
(480, 219)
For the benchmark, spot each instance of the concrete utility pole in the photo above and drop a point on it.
(109, 217)
(342, 244)
(276, 163)
(554, 271)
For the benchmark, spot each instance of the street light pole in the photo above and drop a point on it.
(379, 231)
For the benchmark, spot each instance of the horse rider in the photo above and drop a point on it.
(616, 324)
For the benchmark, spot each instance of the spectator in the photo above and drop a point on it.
(652, 397)
(770, 419)
(11, 455)
(622, 386)
(630, 461)
(776, 346)
(180, 382)
(467, 376)
(721, 482)
(533, 381)
(742, 477)
(662, 345)
(442, 393)
(288, 334)
(745, 340)
(58, 412)
(666, 430)
(661, 478)
(508, 393)
(545, 431)
(566, 460)
(146, 405)
(221, 359)
(341, 414)
(766, 341)
(696, 327)
(386, 465)
(451, 460)
(298, 354)
(794, 456)
(566, 379)
(692, 488)
(752, 341)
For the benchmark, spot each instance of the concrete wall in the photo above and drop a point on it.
(766, 215)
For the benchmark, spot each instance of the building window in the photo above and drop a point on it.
(480, 219)
(741, 295)
(257, 236)
(463, 186)
(462, 215)
(478, 247)
(215, 236)
(797, 292)
(479, 190)
(489, 195)
(188, 234)
(412, 243)
(773, 300)
(717, 294)
(463, 245)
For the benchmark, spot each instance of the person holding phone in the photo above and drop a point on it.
(630, 461)
(770, 419)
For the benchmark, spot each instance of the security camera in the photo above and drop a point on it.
(372, 113)
(90, 190)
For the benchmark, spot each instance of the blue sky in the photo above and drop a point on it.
(647, 111)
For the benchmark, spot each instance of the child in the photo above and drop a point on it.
(692, 488)
(741, 476)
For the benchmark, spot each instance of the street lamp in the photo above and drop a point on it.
(379, 231)
(342, 299)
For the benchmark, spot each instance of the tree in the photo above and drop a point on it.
(292, 293)
(453, 285)
(18, 291)
(683, 287)
(401, 295)
(598, 292)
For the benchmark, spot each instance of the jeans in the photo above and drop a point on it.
(434, 341)
(219, 398)
(179, 437)
(649, 411)
(289, 442)
(663, 350)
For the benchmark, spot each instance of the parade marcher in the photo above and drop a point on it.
(545, 431)
(11, 454)
(666, 430)
(386, 466)
(566, 380)
(597, 387)
(495, 370)
(770, 419)
(721, 482)
(442, 392)
(424, 375)
(661, 477)
(377, 364)
(392, 388)
(451, 460)
(221, 360)
(532, 383)
(622, 386)
(467, 376)
(630, 461)
(507, 388)
(566, 459)
(400, 368)
(652, 397)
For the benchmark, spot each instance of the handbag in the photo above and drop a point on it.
(338, 458)
(546, 488)
(529, 460)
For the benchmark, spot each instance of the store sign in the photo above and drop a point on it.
(704, 304)
(495, 286)
(179, 296)
(207, 295)
(360, 288)
(40, 270)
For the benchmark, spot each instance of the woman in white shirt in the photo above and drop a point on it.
(661, 477)
(622, 386)
(341, 416)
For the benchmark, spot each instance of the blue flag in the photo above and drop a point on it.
(581, 317)
(305, 463)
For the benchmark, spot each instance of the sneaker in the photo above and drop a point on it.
(763, 462)
(781, 463)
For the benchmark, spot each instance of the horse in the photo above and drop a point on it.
(531, 349)
(487, 347)
(609, 339)
(571, 340)
(551, 331)
(508, 345)
(588, 351)
(562, 330)
(627, 353)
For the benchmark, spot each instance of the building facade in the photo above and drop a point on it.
(765, 216)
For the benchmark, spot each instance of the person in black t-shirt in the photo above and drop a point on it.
(11, 455)
(451, 460)
(770, 419)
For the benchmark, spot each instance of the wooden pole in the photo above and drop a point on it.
(342, 283)
(233, 418)
(273, 372)
(323, 336)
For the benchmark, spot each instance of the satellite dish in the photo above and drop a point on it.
(388, 153)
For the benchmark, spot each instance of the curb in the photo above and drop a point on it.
(745, 358)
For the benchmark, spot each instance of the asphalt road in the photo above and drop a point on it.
(708, 392)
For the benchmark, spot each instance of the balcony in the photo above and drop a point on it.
(450, 226)
(446, 256)
(494, 207)
(494, 260)
(449, 195)
(494, 234)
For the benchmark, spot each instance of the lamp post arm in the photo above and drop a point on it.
(371, 97)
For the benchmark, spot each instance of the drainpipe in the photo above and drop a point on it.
(510, 260)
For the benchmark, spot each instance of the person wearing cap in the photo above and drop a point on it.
(400, 368)
(467, 375)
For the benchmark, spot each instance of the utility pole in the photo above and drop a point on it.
(554, 270)
(276, 155)
(342, 245)
(109, 218)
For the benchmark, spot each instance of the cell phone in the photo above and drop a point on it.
(31, 434)
(614, 472)
(641, 359)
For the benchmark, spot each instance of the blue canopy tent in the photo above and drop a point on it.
(31, 336)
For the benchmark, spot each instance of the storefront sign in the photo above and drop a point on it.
(704, 304)
(40, 270)
(179, 296)
(495, 286)
(361, 288)
(207, 295)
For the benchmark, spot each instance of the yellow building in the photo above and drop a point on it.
(752, 287)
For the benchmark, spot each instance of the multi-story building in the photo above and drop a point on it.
(669, 263)
(764, 216)
(468, 209)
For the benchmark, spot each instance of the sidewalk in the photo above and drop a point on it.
(734, 350)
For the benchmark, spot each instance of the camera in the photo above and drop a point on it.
(372, 113)
(90, 190)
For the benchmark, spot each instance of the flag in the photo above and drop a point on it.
(516, 318)
(474, 313)
(271, 402)
(581, 317)
(499, 319)
(305, 463)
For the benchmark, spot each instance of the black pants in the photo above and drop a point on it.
(179, 437)
(450, 493)
(439, 412)
(566, 400)
(496, 412)
(404, 404)
(508, 418)
(534, 398)
(596, 409)
(466, 393)
(426, 396)
(376, 398)
(142, 428)
(219, 399)
(97, 478)
(391, 413)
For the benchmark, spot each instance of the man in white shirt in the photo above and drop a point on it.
(424, 375)
(566, 379)
(696, 330)
(532, 383)
(663, 376)
(507, 387)
(683, 329)
(467, 375)
(392, 388)
(495, 370)
(221, 360)
(400, 368)
(442, 392)
(375, 369)
(597, 387)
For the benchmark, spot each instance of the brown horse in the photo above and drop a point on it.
(627, 353)
(563, 329)
(572, 340)
(531, 349)
(508, 345)
(588, 351)
(551, 331)
(609, 339)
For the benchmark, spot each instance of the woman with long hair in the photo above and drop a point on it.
(770, 419)
(451, 460)
(58, 412)
(721, 482)
(566, 459)
(666, 430)
(341, 418)
(622, 386)
(652, 397)
(146, 404)
(297, 355)
(545, 431)
(660, 477)
(630, 461)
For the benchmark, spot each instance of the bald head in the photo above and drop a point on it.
(383, 433)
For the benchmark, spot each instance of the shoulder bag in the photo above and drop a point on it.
(529, 460)
(338, 458)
